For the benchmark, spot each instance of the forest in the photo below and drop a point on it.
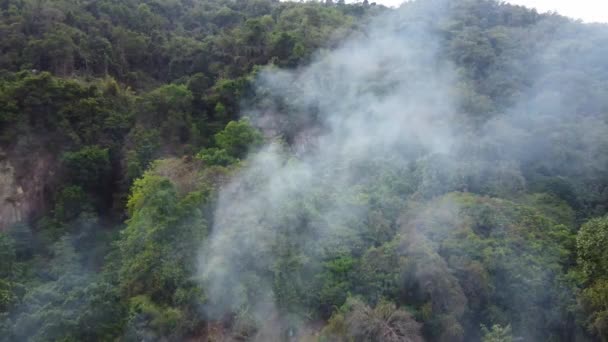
(265, 170)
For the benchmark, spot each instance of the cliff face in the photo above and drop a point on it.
(23, 186)
(11, 194)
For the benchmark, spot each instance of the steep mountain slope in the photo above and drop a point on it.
(272, 171)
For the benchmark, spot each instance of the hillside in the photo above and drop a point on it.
(256, 170)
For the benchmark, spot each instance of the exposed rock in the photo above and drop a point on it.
(23, 184)
(11, 194)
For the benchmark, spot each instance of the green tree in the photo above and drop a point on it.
(157, 252)
(593, 261)
(496, 334)
(356, 321)
(238, 138)
(216, 156)
(89, 167)
(594, 302)
(60, 307)
(168, 108)
(591, 245)
(7, 272)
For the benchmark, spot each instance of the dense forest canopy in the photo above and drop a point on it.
(256, 170)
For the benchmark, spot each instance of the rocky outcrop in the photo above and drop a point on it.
(23, 185)
(11, 194)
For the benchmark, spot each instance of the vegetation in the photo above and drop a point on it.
(142, 113)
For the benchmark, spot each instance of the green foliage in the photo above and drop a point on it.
(7, 272)
(496, 334)
(337, 281)
(71, 201)
(7, 259)
(216, 156)
(507, 260)
(594, 300)
(146, 147)
(238, 138)
(169, 109)
(63, 306)
(157, 253)
(358, 322)
(88, 167)
(63, 111)
(432, 245)
(163, 41)
(162, 321)
(591, 246)
(376, 274)
(66, 95)
(592, 259)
